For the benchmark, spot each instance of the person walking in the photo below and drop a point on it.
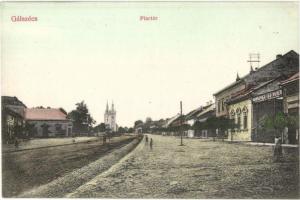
(277, 148)
(146, 138)
(104, 139)
(16, 143)
(151, 143)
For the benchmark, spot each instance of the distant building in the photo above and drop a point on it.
(110, 118)
(207, 112)
(49, 122)
(190, 119)
(13, 122)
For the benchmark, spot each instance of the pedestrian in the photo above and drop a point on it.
(146, 139)
(277, 148)
(104, 139)
(16, 143)
(151, 143)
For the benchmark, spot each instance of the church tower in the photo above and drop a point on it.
(110, 117)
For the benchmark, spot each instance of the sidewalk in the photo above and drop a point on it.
(244, 142)
(272, 144)
(45, 142)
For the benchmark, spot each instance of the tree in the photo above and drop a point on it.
(198, 126)
(293, 122)
(221, 123)
(138, 122)
(121, 130)
(29, 130)
(279, 121)
(148, 120)
(130, 130)
(82, 119)
(100, 128)
(45, 130)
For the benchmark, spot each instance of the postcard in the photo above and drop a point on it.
(150, 99)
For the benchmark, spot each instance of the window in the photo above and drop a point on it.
(232, 114)
(238, 114)
(245, 114)
(222, 104)
(239, 121)
(245, 121)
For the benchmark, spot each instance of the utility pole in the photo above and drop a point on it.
(181, 122)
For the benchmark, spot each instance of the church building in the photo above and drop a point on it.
(110, 118)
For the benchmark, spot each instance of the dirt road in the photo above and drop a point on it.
(24, 170)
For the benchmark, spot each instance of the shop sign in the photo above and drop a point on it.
(267, 96)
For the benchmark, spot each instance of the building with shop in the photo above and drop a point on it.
(249, 109)
(190, 119)
(283, 65)
(208, 111)
(290, 90)
(170, 124)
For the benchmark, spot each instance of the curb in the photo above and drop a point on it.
(262, 144)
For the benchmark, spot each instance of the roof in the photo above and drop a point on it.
(250, 74)
(207, 109)
(193, 113)
(171, 120)
(12, 112)
(291, 79)
(244, 94)
(8, 100)
(45, 114)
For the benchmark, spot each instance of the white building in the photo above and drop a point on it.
(110, 118)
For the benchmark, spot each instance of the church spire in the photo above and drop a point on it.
(112, 106)
(107, 107)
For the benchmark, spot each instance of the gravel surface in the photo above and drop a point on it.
(200, 169)
(24, 170)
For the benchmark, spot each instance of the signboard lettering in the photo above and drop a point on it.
(267, 96)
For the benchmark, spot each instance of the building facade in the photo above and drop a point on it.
(290, 90)
(241, 113)
(208, 111)
(110, 118)
(283, 65)
(13, 122)
(49, 122)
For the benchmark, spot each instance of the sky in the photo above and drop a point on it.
(99, 52)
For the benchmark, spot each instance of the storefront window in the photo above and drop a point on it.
(245, 121)
(245, 113)
(238, 114)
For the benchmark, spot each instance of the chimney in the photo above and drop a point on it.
(251, 69)
(237, 77)
(278, 56)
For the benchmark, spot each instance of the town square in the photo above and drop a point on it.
(157, 100)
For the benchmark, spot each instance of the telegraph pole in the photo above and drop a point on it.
(181, 122)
